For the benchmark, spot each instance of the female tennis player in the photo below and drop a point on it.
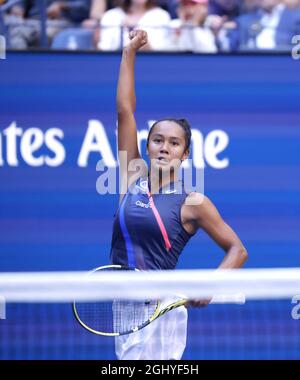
(156, 217)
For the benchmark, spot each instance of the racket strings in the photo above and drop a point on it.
(128, 315)
(114, 317)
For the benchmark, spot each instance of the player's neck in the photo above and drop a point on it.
(157, 182)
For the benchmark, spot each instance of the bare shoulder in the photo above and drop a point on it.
(197, 200)
(197, 205)
(198, 211)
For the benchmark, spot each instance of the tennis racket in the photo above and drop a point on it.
(121, 317)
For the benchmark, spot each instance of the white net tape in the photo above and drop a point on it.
(224, 285)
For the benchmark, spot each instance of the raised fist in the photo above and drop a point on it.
(138, 38)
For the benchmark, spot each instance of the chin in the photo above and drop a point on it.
(163, 168)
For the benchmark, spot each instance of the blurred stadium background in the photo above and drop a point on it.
(58, 118)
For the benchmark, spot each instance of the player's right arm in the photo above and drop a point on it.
(126, 106)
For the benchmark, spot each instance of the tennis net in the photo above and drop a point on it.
(38, 321)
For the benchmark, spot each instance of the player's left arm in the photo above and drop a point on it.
(206, 216)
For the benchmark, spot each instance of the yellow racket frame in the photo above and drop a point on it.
(152, 318)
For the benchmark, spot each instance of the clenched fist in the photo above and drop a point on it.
(138, 38)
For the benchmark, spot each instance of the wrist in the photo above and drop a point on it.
(129, 50)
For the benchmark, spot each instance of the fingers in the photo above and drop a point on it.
(197, 303)
(140, 34)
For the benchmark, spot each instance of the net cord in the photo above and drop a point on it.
(224, 285)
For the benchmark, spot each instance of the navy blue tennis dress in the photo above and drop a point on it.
(147, 230)
(148, 234)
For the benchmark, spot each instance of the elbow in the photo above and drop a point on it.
(124, 109)
(125, 106)
(243, 255)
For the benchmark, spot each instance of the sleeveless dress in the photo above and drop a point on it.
(147, 230)
(148, 234)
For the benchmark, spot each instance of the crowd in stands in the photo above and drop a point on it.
(201, 26)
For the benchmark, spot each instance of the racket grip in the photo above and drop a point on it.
(237, 298)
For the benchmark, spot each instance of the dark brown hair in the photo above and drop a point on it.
(125, 4)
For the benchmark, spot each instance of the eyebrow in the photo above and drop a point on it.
(172, 137)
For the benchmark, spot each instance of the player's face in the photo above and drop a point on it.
(167, 146)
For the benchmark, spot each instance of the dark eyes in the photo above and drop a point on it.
(174, 143)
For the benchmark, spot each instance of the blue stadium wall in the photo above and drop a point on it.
(51, 216)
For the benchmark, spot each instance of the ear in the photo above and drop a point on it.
(185, 155)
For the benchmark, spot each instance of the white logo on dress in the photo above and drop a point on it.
(143, 186)
(170, 191)
(141, 204)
